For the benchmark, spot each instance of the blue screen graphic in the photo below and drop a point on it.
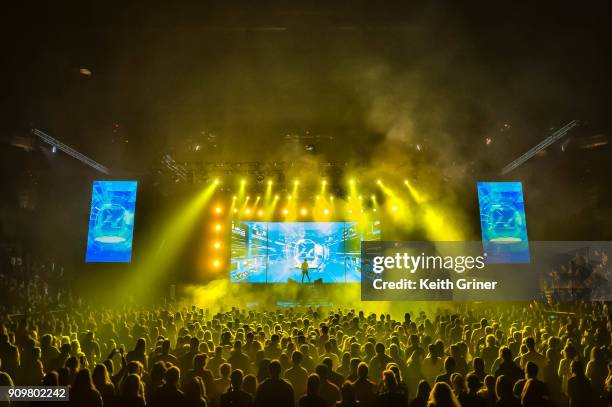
(503, 223)
(111, 221)
(274, 252)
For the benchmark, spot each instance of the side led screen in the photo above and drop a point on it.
(503, 223)
(276, 252)
(111, 221)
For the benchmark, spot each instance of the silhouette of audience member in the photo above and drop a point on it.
(503, 391)
(239, 359)
(103, 384)
(479, 369)
(422, 395)
(312, 397)
(334, 377)
(365, 389)
(579, 387)
(156, 380)
(472, 398)
(185, 362)
(200, 370)
(297, 375)
(349, 399)
(250, 384)
(169, 395)
(391, 395)
(139, 353)
(507, 367)
(130, 394)
(216, 361)
(379, 362)
(194, 392)
(531, 373)
(164, 355)
(274, 391)
(442, 396)
(532, 355)
(83, 393)
(327, 390)
(532, 395)
(9, 355)
(235, 396)
(449, 369)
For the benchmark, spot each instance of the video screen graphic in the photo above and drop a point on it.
(503, 222)
(275, 252)
(111, 222)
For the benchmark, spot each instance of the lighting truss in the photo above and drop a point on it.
(70, 151)
(557, 135)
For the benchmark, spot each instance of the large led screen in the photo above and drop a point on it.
(276, 252)
(111, 221)
(503, 223)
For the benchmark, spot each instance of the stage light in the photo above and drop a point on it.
(304, 212)
(216, 181)
(289, 197)
(276, 196)
(378, 182)
(324, 182)
(285, 211)
(352, 181)
(258, 197)
(217, 245)
(216, 263)
(260, 212)
(326, 211)
(217, 227)
(373, 209)
(331, 197)
(270, 183)
(218, 209)
(234, 198)
(248, 197)
(243, 182)
(247, 211)
(360, 198)
(394, 208)
(350, 211)
(360, 210)
(235, 210)
(373, 197)
(317, 197)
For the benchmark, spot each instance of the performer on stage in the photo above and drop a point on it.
(305, 270)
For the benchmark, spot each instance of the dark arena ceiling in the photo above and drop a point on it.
(442, 92)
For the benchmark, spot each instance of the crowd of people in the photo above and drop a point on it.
(30, 283)
(527, 354)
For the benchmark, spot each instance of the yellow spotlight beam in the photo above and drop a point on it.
(418, 197)
(175, 232)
